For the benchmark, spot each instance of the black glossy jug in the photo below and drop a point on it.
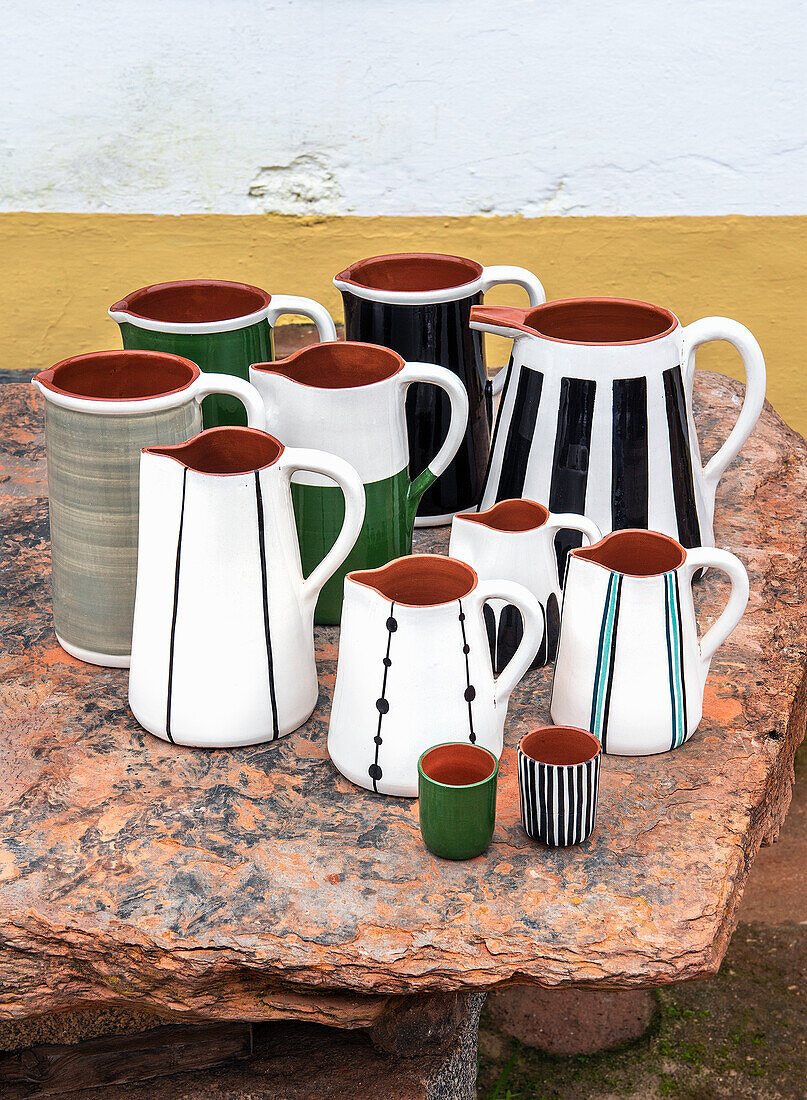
(419, 304)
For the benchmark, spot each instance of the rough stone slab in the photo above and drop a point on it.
(258, 883)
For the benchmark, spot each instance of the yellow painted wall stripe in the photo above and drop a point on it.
(62, 271)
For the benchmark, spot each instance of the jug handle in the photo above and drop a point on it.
(703, 557)
(234, 387)
(517, 276)
(507, 321)
(534, 620)
(319, 462)
(571, 521)
(723, 328)
(458, 397)
(304, 307)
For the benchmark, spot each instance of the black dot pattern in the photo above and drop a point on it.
(382, 703)
(470, 691)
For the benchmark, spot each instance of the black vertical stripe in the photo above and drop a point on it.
(609, 685)
(174, 612)
(681, 654)
(550, 803)
(561, 808)
(578, 811)
(570, 806)
(265, 592)
(629, 485)
(689, 530)
(591, 784)
(520, 434)
(567, 493)
(492, 452)
(540, 777)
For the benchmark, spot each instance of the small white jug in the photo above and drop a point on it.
(414, 668)
(630, 667)
(515, 539)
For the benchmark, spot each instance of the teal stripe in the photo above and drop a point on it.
(604, 656)
(674, 660)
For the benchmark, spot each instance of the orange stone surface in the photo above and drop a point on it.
(258, 883)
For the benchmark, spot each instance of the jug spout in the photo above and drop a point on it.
(222, 451)
(510, 515)
(335, 365)
(634, 553)
(419, 580)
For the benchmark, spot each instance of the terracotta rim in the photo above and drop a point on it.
(560, 746)
(419, 580)
(193, 301)
(594, 322)
(124, 375)
(224, 452)
(337, 365)
(461, 759)
(510, 516)
(412, 272)
(634, 553)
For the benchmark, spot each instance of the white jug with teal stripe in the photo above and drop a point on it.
(630, 666)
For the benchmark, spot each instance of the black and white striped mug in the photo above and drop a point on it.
(559, 781)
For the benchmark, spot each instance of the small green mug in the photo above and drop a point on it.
(457, 799)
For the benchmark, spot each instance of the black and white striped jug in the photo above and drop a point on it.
(595, 414)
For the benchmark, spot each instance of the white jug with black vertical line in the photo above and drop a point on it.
(223, 639)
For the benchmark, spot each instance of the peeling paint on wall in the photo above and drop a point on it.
(306, 185)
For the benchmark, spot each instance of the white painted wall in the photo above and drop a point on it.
(404, 106)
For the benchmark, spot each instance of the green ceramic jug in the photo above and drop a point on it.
(220, 326)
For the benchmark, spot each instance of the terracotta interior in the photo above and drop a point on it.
(600, 321)
(560, 745)
(194, 301)
(458, 765)
(225, 451)
(412, 272)
(635, 553)
(337, 365)
(420, 580)
(120, 375)
(511, 515)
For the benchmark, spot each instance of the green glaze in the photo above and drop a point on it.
(457, 822)
(216, 352)
(386, 533)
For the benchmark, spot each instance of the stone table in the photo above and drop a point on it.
(258, 884)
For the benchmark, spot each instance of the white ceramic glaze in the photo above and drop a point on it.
(485, 278)
(411, 675)
(364, 422)
(585, 452)
(515, 540)
(223, 643)
(630, 667)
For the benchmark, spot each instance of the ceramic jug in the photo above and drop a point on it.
(220, 326)
(223, 639)
(595, 415)
(418, 304)
(630, 667)
(100, 410)
(515, 540)
(349, 398)
(414, 668)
